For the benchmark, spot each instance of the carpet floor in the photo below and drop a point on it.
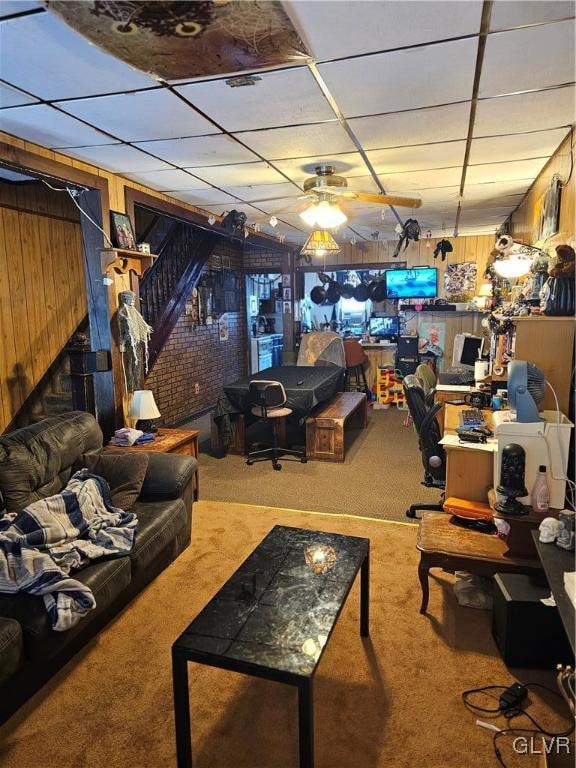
(390, 701)
(380, 477)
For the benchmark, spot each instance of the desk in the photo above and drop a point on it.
(183, 441)
(469, 466)
(556, 561)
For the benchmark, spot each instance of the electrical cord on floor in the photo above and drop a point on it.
(510, 705)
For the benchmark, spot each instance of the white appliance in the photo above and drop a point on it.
(260, 353)
(545, 442)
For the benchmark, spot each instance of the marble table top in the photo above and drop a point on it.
(276, 612)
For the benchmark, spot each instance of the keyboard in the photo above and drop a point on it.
(471, 418)
(456, 377)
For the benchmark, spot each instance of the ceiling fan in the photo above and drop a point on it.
(325, 190)
(326, 184)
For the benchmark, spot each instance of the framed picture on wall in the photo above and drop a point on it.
(122, 232)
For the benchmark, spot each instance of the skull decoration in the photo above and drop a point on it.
(549, 528)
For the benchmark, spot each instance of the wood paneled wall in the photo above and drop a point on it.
(420, 254)
(525, 218)
(42, 287)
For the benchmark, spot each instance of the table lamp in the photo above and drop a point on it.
(144, 409)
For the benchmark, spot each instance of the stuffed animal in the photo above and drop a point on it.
(566, 261)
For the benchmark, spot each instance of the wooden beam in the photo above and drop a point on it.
(98, 309)
(136, 197)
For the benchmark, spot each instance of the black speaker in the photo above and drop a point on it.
(528, 633)
(407, 347)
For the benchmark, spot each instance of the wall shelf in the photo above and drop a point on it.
(122, 260)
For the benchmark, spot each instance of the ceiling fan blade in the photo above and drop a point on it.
(402, 202)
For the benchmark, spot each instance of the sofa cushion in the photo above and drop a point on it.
(123, 471)
(10, 647)
(168, 476)
(107, 579)
(160, 524)
(36, 461)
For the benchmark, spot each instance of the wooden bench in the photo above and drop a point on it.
(325, 427)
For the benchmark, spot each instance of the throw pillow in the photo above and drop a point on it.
(123, 471)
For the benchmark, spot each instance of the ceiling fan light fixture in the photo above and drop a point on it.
(320, 243)
(324, 214)
(308, 216)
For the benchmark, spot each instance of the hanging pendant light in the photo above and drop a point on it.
(320, 243)
(513, 266)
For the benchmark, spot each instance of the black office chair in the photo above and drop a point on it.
(267, 399)
(433, 454)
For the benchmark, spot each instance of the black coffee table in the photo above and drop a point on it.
(273, 619)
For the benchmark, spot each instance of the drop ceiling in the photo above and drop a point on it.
(386, 98)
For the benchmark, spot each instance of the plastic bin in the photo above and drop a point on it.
(546, 442)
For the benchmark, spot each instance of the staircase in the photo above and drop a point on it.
(183, 250)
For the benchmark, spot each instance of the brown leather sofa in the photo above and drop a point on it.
(36, 462)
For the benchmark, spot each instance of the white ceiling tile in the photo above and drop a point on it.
(516, 147)
(285, 205)
(299, 169)
(525, 112)
(303, 141)
(199, 151)
(509, 202)
(259, 191)
(495, 189)
(418, 77)
(362, 184)
(49, 127)
(515, 13)
(439, 194)
(413, 127)
(118, 158)
(525, 59)
(156, 114)
(167, 180)
(521, 169)
(12, 97)
(245, 174)
(334, 29)
(398, 183)
(202, 197)
(386, 161)
(8, 7)
(290, 97)
(41, 54)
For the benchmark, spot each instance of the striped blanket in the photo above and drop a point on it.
(41, 545)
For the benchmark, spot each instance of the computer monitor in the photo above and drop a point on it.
(386, 327)
(467, 349)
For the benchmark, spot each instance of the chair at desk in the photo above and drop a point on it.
(356, 362)
(433, 454)
(268, 399)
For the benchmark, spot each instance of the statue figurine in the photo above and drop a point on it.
(134, 335)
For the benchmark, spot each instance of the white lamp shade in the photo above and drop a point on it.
(143, 405)
(513, 266)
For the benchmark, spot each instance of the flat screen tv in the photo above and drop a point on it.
(417, 283)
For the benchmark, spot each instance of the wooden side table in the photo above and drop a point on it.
(167, 440)
(453, 548)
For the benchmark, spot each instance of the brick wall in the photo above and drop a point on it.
(196, 354)
(262, 260)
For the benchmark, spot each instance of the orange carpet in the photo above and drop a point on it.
(392, 701)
